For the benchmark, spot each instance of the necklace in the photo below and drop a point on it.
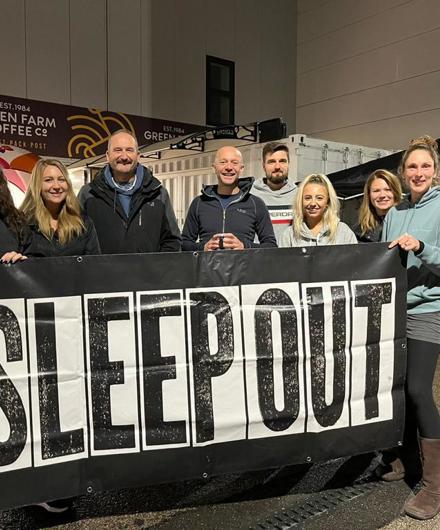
(132, 185)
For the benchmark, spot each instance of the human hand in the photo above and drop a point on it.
(12, 257)
(214, 243)
(406, 242)
(223, 241)
(231, 242)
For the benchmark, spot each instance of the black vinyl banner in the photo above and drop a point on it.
(118, 371)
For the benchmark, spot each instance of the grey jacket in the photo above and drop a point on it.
(344, 236)
(279, 203)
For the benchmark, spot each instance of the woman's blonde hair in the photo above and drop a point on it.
(70, 223)
(368, 218)
(425, 143)
(331, 214)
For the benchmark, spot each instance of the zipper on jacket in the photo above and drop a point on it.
(106, 190)
(224, 209)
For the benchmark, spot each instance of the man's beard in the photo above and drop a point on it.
(277, 179)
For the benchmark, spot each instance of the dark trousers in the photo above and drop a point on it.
(422, 412)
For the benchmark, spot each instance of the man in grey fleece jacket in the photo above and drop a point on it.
(275, 189)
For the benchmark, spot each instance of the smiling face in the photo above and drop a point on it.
(381, 196)
(314, 203)
(418, 173)
(123, 156)
(228, 166)
(54, 188)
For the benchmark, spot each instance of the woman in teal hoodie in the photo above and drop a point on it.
(414, 226)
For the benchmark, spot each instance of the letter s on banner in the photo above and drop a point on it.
(15, 444)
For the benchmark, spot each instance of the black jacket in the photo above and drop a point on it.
(38, 246)
(372, 236)
(245, 217)
(8, 240)
(151, 225)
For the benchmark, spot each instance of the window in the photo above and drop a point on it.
(220, 91)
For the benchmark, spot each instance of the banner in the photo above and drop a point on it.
(51, 129)
(118, 371)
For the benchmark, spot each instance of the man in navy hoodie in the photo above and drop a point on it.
(226, 215)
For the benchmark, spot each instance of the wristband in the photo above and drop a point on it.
(422, 246)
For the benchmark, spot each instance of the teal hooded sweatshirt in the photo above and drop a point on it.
(421, 220)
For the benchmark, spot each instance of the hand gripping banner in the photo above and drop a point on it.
(118, 371)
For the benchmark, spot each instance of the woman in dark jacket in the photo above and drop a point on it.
(11, 220)
(53, 214)
(56, 227)
(382, 191)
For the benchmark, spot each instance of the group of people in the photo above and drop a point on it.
(125, 209)
(238, 213)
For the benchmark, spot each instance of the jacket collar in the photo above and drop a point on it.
(149, 183)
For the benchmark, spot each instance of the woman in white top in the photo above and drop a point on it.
(316, 216)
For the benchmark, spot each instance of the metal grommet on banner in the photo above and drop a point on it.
(400, 443)
(309, 459)
(195, 254)
(404, 345)
(89, 489)
(304, 250)
(79, 259)
(205, 475)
